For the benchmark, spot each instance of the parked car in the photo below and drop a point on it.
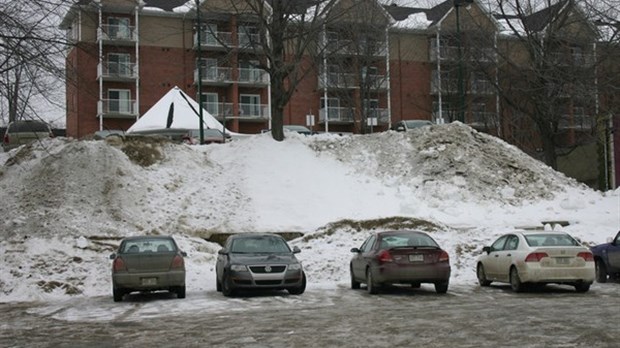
(299, 129)
(258, 261)
(148, 263)
(407, 125)
(24, 132)
(406, 257)
(210, 136)
(523, 258)
(607, 259)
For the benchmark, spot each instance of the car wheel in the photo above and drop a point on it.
(371, 287)
(441, 288)
(601, 271)
(354, 284)
(582, 287)
(300, 289)
(416, 285)
(218, 285)
(118, 294)
(482, 276)
(180, 291)
(515, 281)
(227, 289)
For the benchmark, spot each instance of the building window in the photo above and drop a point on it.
(118, 28)
(210, 103)
(249, 105)
(119, 101)
(248, 36)
(119, 64)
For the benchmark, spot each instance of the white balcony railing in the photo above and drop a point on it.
(115, 32)
(214, 39)
(337, 114)
(253, 111)
(218, 110)
(246, 40)
(337, 80)
(214, 75)
(117, 70)
(253, 76)
(118, 107)
(578, 122)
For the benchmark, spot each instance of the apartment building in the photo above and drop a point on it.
(374, 66)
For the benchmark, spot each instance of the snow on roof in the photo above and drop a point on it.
(414, 21)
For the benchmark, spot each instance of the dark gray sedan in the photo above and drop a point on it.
(258, 261)
(148, 263)
(405, 257)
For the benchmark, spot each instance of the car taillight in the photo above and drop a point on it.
(535, 257)
(119, 265)
(586, 256)
(444, 257)
(385, 256)
(177, 262)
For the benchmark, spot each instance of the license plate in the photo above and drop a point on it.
(562, 260)
(149, 281)
(416, 258)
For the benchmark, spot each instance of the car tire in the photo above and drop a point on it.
(582, 287)
(442, 287)
(218, 285)
(180, 291)
(515, 280)
(482, 276)
(300, 289)
(601, 271)
(118, 294)
(371, 286)
(354, 284)
(415, 285)
(227, 289)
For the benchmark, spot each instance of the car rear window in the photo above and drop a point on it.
(148, 245)
(407, 240)
(21, 127)
(550, 239)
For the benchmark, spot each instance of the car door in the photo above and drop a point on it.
(359, 261)
(506, 256)
(491, 262)
(613, 254)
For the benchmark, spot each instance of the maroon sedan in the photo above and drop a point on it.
(400, 257)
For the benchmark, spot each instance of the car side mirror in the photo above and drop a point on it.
(223, 251)
(356, 250)
(296, 249)
(486, 249)
(112, 256)
(183, 253)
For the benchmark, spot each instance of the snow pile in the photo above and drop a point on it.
(66, 204)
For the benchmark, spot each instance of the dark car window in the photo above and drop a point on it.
(407, 240)
(551, 239)
(512, 243)
(499, 244)
(263, 244)
(367, 246)
(148, 245)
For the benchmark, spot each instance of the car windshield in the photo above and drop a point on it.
(551, 239)
(407, 240)
(263, 244)
(147, 245)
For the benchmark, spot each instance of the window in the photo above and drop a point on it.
(118, 28)
(248, 35)
(211, 35)
(210, 102)
(499, 244)
(371, 106)
(249, 105)
(367, 246)
(249, 72)
(119, 64)
(512, 243)
(209, 67)
(119, 101)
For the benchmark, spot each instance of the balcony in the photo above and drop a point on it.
(342, 115)
(253, 112)
(214, 76)
(219, 110)
(253, 77)
(117, 72)
(451, 53)
(361, 48)
(337, 80)
(117, 108)
(482, 87)
(117, 34)
(576, 122)
(249, 41)
(377, 82)
(214, 40)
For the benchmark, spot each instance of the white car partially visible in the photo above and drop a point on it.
(524, 258)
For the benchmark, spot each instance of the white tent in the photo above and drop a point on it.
(175, 110)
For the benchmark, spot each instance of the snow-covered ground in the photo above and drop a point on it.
(65, 204)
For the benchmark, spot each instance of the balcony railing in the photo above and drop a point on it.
(117, 71)
(448, 86)
(253, 76)
(250, 41)
(482, 87)
(253, 111)
(115, 32)
(117, 108)
(219, 110)
(215, 75)
(578, 122)
(337, 80)
(451, 53)
(214, 39)
(337, 114)
(350, 47)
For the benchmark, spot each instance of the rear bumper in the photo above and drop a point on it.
(537, 274)
(144, 281)
(399, 273)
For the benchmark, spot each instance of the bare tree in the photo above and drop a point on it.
(31, 48)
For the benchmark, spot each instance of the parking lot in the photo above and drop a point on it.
(467, 316)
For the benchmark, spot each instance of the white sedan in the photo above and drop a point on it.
(524, 258)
